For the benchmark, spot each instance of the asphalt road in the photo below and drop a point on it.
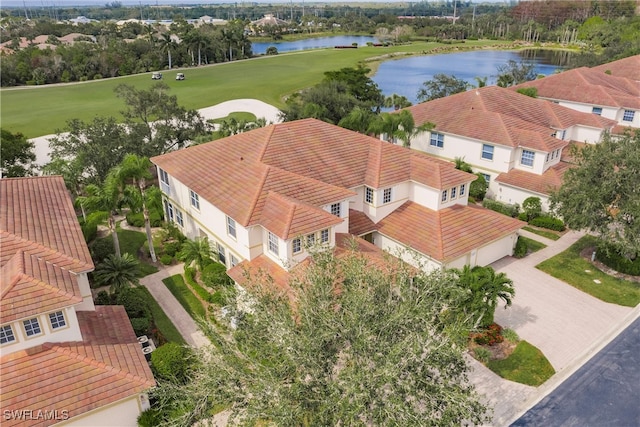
(605, 392)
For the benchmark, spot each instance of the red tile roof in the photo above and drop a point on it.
(307, 161)
(550, 180)
(78, 376)
(36, 215)
(359, 223)
(503, 117)
(629, 68)
(449, 233)
(588, 86)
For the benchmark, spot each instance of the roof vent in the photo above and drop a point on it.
(241, 158)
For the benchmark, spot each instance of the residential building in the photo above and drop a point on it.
(264, 197)
(592, 90)
(516, 142)
(629, 68)
(64, 361)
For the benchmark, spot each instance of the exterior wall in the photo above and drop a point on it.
(70, 332)
(513, 195)
(586, 134)
(123, 414)
(85, 292)
(425, 196)
(411, 257)
(609, 112)
(496, 250)
(539, 161)
(378, 210)
(343, 227)
(634, 123)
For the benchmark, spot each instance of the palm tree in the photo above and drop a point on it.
(359, 119)
(197, 252)
(484, 288)
(117, 271)
(399, 126)
(396, 101)
(105, 198)
(137, 168)
(166, 42)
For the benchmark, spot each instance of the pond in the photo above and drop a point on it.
(406, 76)
(313, 43)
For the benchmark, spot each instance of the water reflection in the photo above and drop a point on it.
(313, 43)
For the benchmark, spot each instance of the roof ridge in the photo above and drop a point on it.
(256, 198)
(270, 130)
(14, 274)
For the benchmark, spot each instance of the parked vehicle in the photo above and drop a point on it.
(156, 76)
(180, 76)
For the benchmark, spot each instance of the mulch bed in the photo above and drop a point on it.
(586, 254)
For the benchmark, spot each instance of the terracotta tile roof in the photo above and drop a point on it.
(503, 117)
(550, 180)
(36, 215)
(30, 286)
(588, 86)
(446, 234)
(309, 161)
(629, 68)
(359, 223)
(79, 376)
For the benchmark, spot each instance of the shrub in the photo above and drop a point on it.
(522, 216)
(272, 50)
(134, 303)
(218, 298)
(482, 354)
(478, 188)
(490, 336)
(89, 231)
(215, 274)
(611, 258)
(503, 208)
(166, 259)
(140, 325)
(150, 418)
(172, 362)
(510, 335)
(190, 278)
(172, 248)
(104, 298)
(101, 249)
(548, 222)
(135, 219)
(532, 207)
(521, 248)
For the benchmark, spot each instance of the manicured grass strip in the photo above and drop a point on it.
(543, 233)
(185, 297)
(131, 242)
(189, 277)
(526, 365)
(162, 322)
(532, 244)
(571, 268)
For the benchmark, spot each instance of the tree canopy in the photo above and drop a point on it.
(602, 193)
(513, 73)
(16, 154)
(359, 344)
(441, 85)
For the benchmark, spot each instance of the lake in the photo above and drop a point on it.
(313, 43)
(406, 76)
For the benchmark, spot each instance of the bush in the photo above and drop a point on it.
(150, 418)
(510, 335)
(490, 336)
(612, 259)
(137, 219)
(215, 274)
(172, 362)
(101, 249)
(532, 207)
(482, 354)
(272, 50)
(521, 248)
(548, 222)
(478, 188)
(166, 259)
(134, 303)
(190, 278)
(503, 208)
(89, 231)
(218, 298)
(140, 325)
(172, 248)
(104, 298)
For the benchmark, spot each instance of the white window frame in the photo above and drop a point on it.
(7, 336)
(628, 115)
(387, 195)
(487, 151)
(296, 245)
(30, 327)
(487, 178)
(179, 218)
(453, 192)
(324, 236)
(436, 139)
(58, 318)
(272, 243)
(444, 195)
(164, 180)
(310, 239)
(194, 199)
(368, 195)
(527, 158)
(233, 260)
(222, 255)
(463, 188)
(336, 210)
(231, 227)
(597, 111)
(170, 211)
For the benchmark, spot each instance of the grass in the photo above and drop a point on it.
(131, 242)
(532, 244)
(548, 234)
(526, 365)
(30, 109)
(185, 297)
(571, 268)
(162, 322)
(238, 115)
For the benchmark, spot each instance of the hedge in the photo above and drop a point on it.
(189, 276)
(137, 219)
(509, 210)
(548, 222)
(612, 259)
(521, 248)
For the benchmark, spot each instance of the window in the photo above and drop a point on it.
(234, 261)
(170, 211)
(462, 189)
(231, 227)
(57, 320)
(548, 154)
(527, 157)
(6, 334)
(628, 115)
(195, 199)
(597, 110)
(444, 196)
(487, 152)
(32, 327)
(221, 254)
(486, 177)
(311, 239)
(324, 236)
(563, 133)
(335, 209)
(179, 218)
(437, 140)
(386, 196)
(368, 195)
(273, 243)
(164, 181)
(297, 245)
(453, 192)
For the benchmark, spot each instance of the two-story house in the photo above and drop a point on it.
(64, 361)
(264, 197)
(516, 142)
(629, 68)
(592, 90)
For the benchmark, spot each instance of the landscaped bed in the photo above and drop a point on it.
(185, 297)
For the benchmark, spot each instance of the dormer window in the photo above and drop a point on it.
(32, 327)
(273, 243)
(527, 158)
(386, 196)
(368, 195)
(462, 189)
(453, 192)
(597, 110)
(444, 196)
(6, 334)
(296, 245)
(436, 140)
(335, 210)
(628, 115)
(324, 236)
(57, 320)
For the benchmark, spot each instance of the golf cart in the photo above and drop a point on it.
(156, 76)
(180, 76)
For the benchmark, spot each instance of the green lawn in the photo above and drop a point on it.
(37, 111)
(571, 268)
(526, 365)
(544, 233)
(131, 242)
(532, 244)
(185, 297)
(162, 322)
